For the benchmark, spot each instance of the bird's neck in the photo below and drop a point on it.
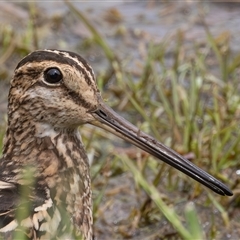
(49, 149)
(59, 161)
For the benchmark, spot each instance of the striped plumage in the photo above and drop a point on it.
(45, 188)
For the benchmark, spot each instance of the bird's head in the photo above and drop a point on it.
(56, 88)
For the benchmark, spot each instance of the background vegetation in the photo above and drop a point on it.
(185, 95)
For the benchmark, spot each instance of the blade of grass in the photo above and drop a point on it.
(99, 40)
(192, 221)
(220, 209)
(168, 212)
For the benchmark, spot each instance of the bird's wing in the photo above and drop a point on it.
(8, 201)
(33, 216)
(17, 213)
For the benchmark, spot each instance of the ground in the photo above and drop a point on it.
(172, 68)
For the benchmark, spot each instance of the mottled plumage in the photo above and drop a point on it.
(45, 187)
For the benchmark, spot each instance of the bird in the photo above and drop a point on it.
(45, 184)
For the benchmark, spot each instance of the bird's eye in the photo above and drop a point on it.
(53, 76)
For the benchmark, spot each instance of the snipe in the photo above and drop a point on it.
(52, 93)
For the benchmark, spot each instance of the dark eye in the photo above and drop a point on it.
(53, 75)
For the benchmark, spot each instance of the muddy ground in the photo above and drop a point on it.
(128, 27)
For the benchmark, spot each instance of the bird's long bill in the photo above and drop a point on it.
(112, 122)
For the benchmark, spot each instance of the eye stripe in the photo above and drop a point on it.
(63, 57)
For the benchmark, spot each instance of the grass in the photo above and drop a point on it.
(192, 111)
(190, 103)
